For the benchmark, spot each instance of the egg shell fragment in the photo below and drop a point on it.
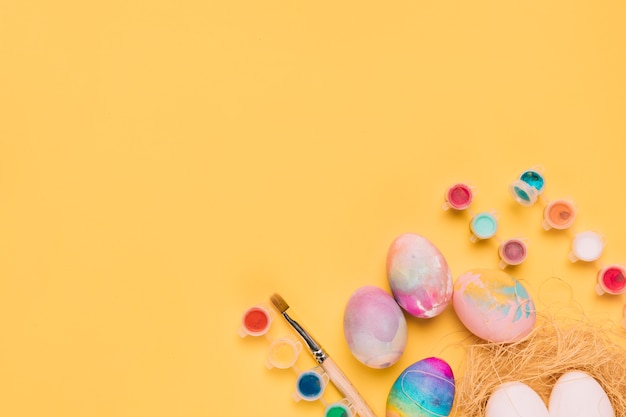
(418, 275)
(424, 389)
(374, 327)
(493, 305)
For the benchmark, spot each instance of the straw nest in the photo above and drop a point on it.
(556, 345)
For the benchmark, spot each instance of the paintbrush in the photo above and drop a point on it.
(336, 376)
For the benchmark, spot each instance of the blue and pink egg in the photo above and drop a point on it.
(424, 389)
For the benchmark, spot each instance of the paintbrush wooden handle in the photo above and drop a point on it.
(346, 388)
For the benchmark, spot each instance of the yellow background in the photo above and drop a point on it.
(166, 164)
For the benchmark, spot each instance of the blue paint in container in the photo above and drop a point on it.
(310, 385)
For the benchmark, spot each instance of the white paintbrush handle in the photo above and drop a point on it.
(346, 388)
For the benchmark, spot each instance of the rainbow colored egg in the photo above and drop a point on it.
(418, 275)
(493, 305)
(424, 389)
(374, 327)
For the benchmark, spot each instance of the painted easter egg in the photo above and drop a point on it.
(418, 275)
(578, 394)
(374, 327)
(424, 389)
(493, 305)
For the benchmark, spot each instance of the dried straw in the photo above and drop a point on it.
(555, 346)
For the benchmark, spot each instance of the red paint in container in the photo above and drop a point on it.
(256, 321)
(458, 197)
(512, 252)
(612, 280)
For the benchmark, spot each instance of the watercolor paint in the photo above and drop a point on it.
(256, 321)
(458, 197)
(512, 252)
(559, 214)
(283, 353)
(527, 188)
(310, 384)
(587, 246)
(483, 225)
(339, 409)
(611, 280)
(534, 179)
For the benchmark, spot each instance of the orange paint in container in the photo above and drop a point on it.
(559, 214)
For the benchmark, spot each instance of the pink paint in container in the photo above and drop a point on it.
(512, 252)
(458, 197)
(611, 280)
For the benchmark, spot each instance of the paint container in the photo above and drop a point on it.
(527, 188)
(256, 321)
(458, 197)
(483, 226)
(611, 280)
(341, 408)
(512, 252)
(311, 384)
(559, 214)
(587, 246)
(283, 353)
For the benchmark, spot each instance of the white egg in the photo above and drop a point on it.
(515, 399)
(576, 394)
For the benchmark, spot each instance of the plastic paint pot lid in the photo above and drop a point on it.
(459, 196)
(612, 279)
(533, 179)
(513, 251)
(484, 225)
(256, 321)
(523, 193)
(559, 214)
(588, 246)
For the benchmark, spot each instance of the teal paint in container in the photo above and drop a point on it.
(528, 186)
(483, 226)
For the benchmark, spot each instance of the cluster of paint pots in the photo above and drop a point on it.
(283, 353)
(526, 189)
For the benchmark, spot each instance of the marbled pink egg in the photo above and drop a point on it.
(493, 305)
(418, 275)
(374, 327)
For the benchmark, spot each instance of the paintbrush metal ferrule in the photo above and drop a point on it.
(317, 351)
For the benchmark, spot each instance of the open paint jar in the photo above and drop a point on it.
(587, 246)
(311, 384)
(483, 226)
(458, 197)
(283, 353)
(611, 280)
(256, 321)
(341, 408)
(558, 214)
(527, 188)
(512, 252)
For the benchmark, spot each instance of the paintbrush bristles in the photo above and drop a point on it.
(280, 304)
